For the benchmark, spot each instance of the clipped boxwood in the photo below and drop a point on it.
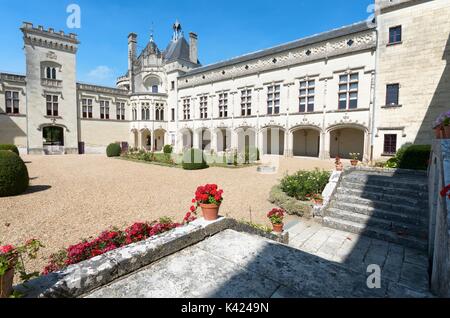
(113, 150)
(168, 149)
(14, 177)
(415, 157)
(12, 148)
(194, 159)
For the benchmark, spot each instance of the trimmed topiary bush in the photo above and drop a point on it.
(113, 150)
(12, 148)
(14, 177)
(193, 159)
(415, 157)
(168, 149)
(305, 183)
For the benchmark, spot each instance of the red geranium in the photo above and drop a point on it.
(209, 194)
(445, 191)
(276, 216)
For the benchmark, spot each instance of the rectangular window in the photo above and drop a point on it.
(120, 111)
(307, 96)
(204, 107)
(392, 94)
(395, 34)
(173, 114)
(223, 105)
(159, 112)
(172, 85)
(145, 111)
(104, 109)
(52, 105)
(273, 99)
(390, 144)
(12, 102)
(86, 105)
(186, 109)
(348, 91)
(246, 102)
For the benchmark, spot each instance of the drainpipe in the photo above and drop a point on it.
(374, 106)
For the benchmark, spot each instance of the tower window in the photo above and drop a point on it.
(395, 34)
(392, 94)
(52, 105)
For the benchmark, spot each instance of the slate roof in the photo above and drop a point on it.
(336, 33)
(177, 50)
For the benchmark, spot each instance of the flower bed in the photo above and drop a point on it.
(304, 184)
(106, 242)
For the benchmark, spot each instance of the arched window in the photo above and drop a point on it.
(54, 73)
(48, 72)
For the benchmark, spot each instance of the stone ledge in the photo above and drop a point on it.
(82, 278)
(388, 170)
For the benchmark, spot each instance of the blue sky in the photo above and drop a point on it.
(226, 28)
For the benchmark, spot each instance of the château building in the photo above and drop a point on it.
(366, 88)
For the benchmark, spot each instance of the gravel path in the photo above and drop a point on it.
(75, 197)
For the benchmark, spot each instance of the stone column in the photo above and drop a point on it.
(196, 141)
(325, 145)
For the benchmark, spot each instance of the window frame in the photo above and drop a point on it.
(246, 102)
(203, 105)
(104, 109)
(305, 107)
(120, 111)
(272, 99)
(14, 108)
(397, 96)
(187, 108)
(349, 92)
(390, 146)
(393, 37)
(52, 105)
(223, 105)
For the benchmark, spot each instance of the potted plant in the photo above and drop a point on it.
(209, 198)
(446, 127)
(12, 261)
(338, 164)
(276, 217)
(442, 126)
(354, 159)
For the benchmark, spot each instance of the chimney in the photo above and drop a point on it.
(193, 48)
(132, 43)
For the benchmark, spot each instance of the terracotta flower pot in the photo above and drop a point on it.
(446, 132)
(354, 162)
(6, 283)
(439, 132)
(318, 201)
(278, 228)
(339, 167)
(210, 211)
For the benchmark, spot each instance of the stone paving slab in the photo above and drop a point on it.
(232, 264)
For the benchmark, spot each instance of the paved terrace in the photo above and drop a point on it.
(320, 262)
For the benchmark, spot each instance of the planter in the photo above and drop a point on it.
(340, 167)
(278, 228)
(439, 132)
(6, 283)
(354, 162)
(446, 131)
(210, 211)
(318, 201)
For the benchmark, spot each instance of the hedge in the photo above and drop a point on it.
(415, 157)
(113, 150)
(168, 149)
(14, 177)
(291, 205)
(304, 183)
(193, 159)
(12, 148)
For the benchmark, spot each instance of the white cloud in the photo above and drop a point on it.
(101, 73)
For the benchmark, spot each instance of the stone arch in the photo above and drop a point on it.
(186, 138)
(306, 140)
(204, 138)
(346, 138)
(273, 138)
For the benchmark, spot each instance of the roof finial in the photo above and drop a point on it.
(152, 31)
(176, 30)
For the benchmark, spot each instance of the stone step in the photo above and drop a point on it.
(388, 225)
(383, 190)
(376, 233)
(417, 184)
(389, 215)
(413, 201)
(357, 204)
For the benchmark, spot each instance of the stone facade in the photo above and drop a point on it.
(321, 96)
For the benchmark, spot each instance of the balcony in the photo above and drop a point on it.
(52, 83)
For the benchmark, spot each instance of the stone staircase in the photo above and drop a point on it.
(390, 206)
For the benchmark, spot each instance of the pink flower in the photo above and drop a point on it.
(6, 249)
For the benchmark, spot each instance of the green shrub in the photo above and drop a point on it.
(168, 149)
(113, 150)
(12, 148)
(14, 178)
(193, 159)
(304, 183)
(251, 154)
(415, 157)
(391, 163)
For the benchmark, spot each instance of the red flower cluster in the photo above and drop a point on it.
(209, 194)
(106, 242)
(276, 216)
(445, 191)
(6, 249)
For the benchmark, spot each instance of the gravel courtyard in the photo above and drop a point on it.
(75, 197)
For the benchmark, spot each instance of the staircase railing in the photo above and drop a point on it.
(439, 218)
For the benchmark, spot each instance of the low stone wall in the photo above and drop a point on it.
(291, 205)
(82, 278)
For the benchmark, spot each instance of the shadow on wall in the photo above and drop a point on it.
(439, 104)
(9, 130)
